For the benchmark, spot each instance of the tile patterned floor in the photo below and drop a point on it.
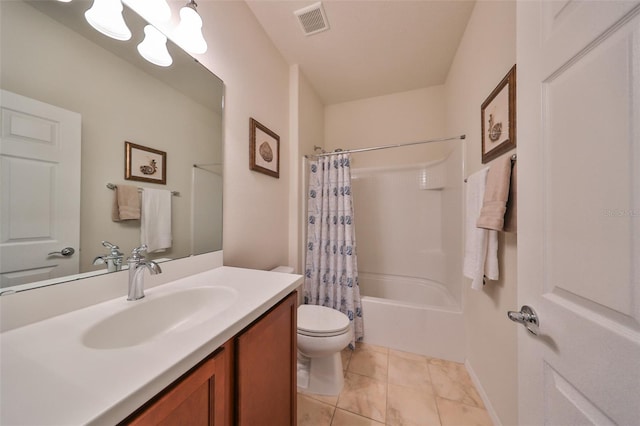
(388, 387)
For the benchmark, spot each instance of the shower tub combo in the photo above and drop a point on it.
(409, 234)
(413, 315)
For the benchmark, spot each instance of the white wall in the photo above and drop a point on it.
(397, 118)
(311, 118)
(485, 55)
(256, 77)
(309, 121)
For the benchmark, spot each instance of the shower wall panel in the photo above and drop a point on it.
(398, 224)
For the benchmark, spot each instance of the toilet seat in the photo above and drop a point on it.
(320, 321)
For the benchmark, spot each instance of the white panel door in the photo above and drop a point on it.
(40, 190)
(579, 211)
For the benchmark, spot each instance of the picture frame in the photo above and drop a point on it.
(498, 115)
(144, 164)
(264, 149)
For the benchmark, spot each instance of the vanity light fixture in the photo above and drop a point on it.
(106, 17)
(188, 34)
(154, 47)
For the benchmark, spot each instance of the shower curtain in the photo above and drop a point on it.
(331, 270)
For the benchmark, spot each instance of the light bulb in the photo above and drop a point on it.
(106, 17)
(154, 11)
(188, 34)
(154, 47)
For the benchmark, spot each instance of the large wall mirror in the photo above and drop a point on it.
(102, 91)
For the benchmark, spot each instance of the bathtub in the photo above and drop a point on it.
(412, 315)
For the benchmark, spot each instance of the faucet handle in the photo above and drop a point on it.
(108, 245)
(113, 249)
(135, 253)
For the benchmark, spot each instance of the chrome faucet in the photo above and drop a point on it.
(137, 264)
(113, 259)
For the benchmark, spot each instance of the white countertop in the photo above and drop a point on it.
(48, 376)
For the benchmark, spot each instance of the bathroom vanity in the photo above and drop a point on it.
(218, 347)
(250, 380)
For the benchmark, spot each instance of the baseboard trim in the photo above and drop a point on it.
(485, 399)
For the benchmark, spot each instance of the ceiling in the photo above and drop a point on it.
(373, 47)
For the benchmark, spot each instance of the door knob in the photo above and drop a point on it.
(66, 252)
(527, 317)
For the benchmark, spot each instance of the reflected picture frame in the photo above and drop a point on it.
(144, 164)
(498, 115)
(264, 149)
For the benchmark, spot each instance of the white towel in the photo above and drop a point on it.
(481, 245)
(155, 224)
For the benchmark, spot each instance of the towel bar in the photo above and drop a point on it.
(113, 187)
(514, 157)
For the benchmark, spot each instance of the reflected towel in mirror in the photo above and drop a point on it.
(155, 226)
(126, 203)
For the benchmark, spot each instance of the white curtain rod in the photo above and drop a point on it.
(375, 148)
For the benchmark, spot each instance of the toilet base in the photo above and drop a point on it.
(325, 375)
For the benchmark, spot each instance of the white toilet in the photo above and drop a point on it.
(322, 333)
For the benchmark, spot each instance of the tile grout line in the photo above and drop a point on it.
(386, 406)
(435, 393)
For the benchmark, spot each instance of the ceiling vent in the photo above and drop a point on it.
(313, 19)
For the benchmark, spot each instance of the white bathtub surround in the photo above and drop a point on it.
(426, 318)
(56, 372)
(331, 271)
(481, 245)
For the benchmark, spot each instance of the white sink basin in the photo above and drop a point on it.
(152, 317)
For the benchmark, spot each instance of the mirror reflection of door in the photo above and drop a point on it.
(40, 190)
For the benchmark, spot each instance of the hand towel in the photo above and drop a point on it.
(481, 245)
(511, 217)
(496, 194)
(126, 203)
(155, 226)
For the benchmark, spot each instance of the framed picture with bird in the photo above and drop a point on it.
(498, 113)
(144, 164)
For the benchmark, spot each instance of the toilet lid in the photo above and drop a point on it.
(321, 321)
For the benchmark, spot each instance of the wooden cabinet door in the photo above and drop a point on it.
(202, 397)
(266, 355)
